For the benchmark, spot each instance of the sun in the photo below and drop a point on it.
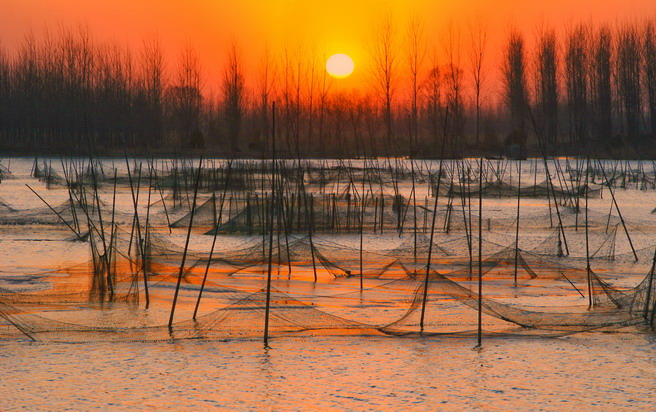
(340, 66)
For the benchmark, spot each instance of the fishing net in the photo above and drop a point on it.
(351, 252)
(392, 301)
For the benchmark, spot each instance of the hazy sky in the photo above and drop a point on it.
(315, 26)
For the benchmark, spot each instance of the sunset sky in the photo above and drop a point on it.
(320, 28)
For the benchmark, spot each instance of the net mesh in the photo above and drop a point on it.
(351, 253)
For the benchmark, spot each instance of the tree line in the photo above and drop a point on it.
(589, 85)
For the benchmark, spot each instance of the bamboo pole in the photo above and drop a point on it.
(161, 196)
(363, 200)
(110, 278)
(184, 253)
(135, 201)
(619, 213)
(57, 213)
(649, 287)
(549, 181)
(100, 220)
(414, 208)
(480, 255)
(432, 232)
(587, 245)
(146, 254)
(519, 197)
(216, 231)
(271, 226)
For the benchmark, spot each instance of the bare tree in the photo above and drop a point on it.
(185, 96)
(384, 60)
(265, 90)
(577, 57)
(288, 73)
(628, 74)
(477, 52)
(649, 62)
(28, 85)
(5, 93)
(312, 79)
(547, 84)
(153, 77)
(65, 90)
(415, 54)
(299, 71)
(233, 95)
(433, 99)
(601, 83)
(453, 74)
(325, 82)
(514, 76)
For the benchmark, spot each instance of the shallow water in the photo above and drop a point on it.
(340, 370)
(589, 371)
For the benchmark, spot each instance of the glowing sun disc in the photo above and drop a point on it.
(340, 66)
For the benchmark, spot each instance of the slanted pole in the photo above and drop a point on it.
(102, 229)
(184, 253)
(161, 196)
(135, 202)
(216, 231)
(57, 213)
(549, 181)
(432, 233)
(649, 286)
(619, 213)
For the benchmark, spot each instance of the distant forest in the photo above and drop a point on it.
(591, 87)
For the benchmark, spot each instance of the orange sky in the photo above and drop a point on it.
(336, 26)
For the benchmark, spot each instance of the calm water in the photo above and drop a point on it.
(586, 371)
(589, 371)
